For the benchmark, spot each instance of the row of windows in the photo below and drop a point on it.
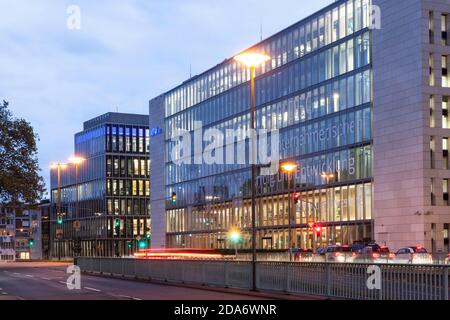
(348, 165)
(445, 192)
(335, 96)
(338, 204)
(91, 142)
(326, 65)
(86, 191)
(305, 37)
(273, 239)
(86, 209)
(123, 207)
(443, 28)
(104, 228)
(91, 169)
(135, 188)
(127, 139)
(347, 128)
(127, 167)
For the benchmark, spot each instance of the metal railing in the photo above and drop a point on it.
(345, 281)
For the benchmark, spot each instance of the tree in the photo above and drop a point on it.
(20, 181)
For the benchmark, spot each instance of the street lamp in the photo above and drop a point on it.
(235, 237)
(76, 161)
(251, 60)
(327, 176)
(289, 168)
(58, 166)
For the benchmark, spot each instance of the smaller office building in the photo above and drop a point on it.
(110, 214)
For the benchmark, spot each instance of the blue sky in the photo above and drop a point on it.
(125, 53)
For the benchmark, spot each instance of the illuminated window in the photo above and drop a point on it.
(445, 186)
(444, 29)
(135, 192)
(445, 118)
(445, 82)
(445, 153)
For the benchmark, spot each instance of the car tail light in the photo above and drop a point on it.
(391, 255)
(354, 254)
(375, 255)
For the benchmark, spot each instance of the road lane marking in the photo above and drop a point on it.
(92, 289)
(16, 273)
(29, 276)
(128, 297)
(4, 293)
(63, 282)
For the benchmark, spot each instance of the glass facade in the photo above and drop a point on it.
(113, 190)
(317, 91)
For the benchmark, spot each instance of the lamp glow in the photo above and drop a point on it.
(289, 167)
(76, 160)
(55, 166)
(252, 59)
(235, 236)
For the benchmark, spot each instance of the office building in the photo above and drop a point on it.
(113, 210)
(358, 92)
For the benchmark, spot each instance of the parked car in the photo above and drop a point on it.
(357, 247)
(413, 255)
(339, 254)
(320, 255)
(304, 255)
(374, 253)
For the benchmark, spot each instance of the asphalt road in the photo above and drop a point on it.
(47, 281)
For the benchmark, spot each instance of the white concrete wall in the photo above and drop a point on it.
(402, 166)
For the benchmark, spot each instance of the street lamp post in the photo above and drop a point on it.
(58, 166)
(327, 176)
(77, 161)
(251, 61)
(235, 237)
(289, 168)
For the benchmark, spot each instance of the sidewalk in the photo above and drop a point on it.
(259, 294)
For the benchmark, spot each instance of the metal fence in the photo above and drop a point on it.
(334, 280)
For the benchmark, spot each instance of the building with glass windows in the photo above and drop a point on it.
(7, 233)
(351, 99)
(113, 190)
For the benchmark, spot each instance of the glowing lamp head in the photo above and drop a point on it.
(252, 59)
(327, 175)
(288, 167)
(55, 166)
(77, 160)
(235, 236)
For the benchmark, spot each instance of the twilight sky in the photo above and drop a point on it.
(126, 52)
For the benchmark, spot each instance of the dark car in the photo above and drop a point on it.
(304, 255)
(374, 253)
(413, 255)
(338, 254)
